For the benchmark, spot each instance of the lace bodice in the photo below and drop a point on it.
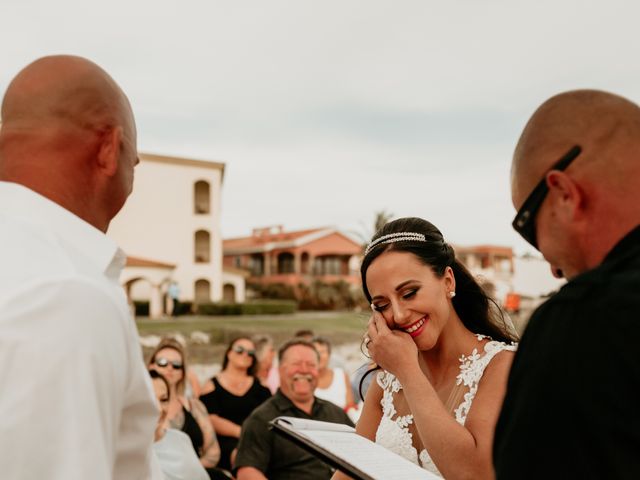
(395, 431)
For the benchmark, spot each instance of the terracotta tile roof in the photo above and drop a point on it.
(259, 239)
(495, 249)
(141, 262)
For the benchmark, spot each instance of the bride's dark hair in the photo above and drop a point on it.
(477, 310)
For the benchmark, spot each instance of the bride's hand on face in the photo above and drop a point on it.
(393, 350)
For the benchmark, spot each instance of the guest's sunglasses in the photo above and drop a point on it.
(241, 349)
(525, 221)
(163, 362)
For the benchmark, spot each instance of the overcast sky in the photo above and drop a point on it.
(328, 111)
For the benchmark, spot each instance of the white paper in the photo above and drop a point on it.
(367, 456)
(305, 424)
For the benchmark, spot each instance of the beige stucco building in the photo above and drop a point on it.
(170, 230)
(492, 265)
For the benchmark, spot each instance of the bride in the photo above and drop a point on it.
(444, 350)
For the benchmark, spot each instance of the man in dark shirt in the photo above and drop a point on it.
(571, 408)
(263, 454)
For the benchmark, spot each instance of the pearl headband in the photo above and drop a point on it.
(395, 237)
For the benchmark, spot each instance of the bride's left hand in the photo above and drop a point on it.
(393, 350)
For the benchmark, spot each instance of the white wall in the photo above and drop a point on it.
(158, 221)
(238, 282)
(532, 277)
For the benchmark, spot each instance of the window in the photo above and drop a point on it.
(286, 263)
(318, 266)
(256, 265)
(202, 247)
(329, 265)
(333, 266)
(202, 200)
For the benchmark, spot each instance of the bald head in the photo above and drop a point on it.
(63, 89)
(595, 202)
(606, 126)
(68, 133)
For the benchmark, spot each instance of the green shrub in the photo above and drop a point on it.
(252, 308)
(329, 296)
(141, 308)
(184, 308)
(275, 291)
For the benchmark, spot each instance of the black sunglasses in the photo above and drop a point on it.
(524, 223)
(241, 349)
(163, 362)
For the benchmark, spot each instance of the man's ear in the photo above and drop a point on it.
(109, 150)
(568, 196)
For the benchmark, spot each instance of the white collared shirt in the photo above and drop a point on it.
(76, 401)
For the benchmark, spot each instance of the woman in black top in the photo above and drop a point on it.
(232, 395)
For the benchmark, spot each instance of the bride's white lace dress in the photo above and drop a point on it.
(396, 431)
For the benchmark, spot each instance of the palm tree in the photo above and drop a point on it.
(364, 234)
(382, 218)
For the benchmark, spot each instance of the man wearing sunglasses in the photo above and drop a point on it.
(570, 410)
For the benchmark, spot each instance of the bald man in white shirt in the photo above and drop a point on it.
(75, 399)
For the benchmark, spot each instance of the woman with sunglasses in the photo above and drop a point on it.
(184, 413)
(231, 395)
(443, 350)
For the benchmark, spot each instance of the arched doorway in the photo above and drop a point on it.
(304, 263)
(229, 293)
(139, 293)
(202, 291)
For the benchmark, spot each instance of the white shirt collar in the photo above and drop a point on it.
(24, 204)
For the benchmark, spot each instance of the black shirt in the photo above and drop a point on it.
(236, 408)
(571, 408)
(276, 457)
(191, 428)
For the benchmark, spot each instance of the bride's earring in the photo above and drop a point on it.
(452, 294)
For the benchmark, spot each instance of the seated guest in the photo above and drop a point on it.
(266, 371)
(186, 414)
(232, 395)
(335, 361)
(333, 383)
(304, 334)
(262, 453)
(172, 447)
